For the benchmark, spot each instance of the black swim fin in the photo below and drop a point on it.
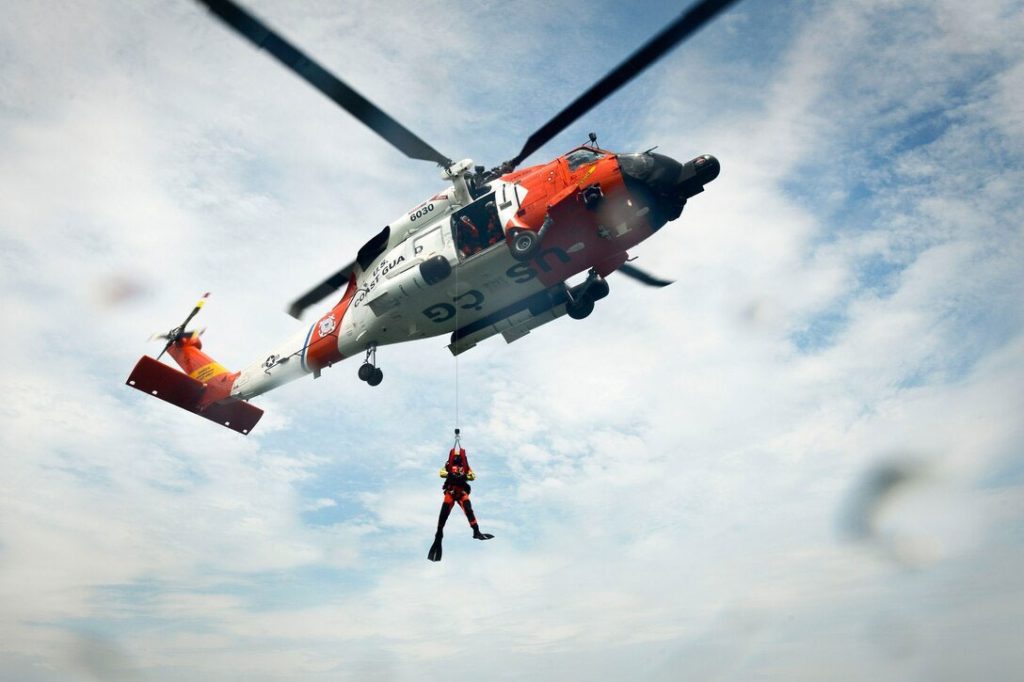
(435, 549)
(481, 536)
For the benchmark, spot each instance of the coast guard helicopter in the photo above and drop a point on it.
(489, 255)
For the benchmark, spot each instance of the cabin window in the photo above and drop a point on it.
(477, 227)
(581, 157)
(373, 248)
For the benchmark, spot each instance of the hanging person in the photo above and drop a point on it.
(456, 474)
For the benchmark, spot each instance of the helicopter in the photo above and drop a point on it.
(490, 254)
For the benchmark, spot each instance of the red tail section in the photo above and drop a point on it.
(205, 389)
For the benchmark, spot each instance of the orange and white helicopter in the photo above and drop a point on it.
(491, 254)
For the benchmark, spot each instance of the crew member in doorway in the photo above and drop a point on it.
(456, 474)
(493, 234)
(469, 236)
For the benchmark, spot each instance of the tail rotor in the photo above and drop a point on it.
(178, 333)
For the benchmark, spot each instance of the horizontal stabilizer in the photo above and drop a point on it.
(164, 382)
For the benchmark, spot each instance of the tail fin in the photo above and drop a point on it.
(164, 382)
(205, 385)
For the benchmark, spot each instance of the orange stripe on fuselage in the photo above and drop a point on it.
(322, 350)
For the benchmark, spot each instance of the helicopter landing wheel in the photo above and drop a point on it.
(523, 245)
(369, 371)
(581, 307)
(598, 289)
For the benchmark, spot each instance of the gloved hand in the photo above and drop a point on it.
(470, 476)
(443, 473)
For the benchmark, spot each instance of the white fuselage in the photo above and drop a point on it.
(392, 302)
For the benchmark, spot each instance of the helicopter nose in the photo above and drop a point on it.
(698, 172)
(707, 168)
(665, 175)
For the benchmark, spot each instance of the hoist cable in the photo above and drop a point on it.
(455, 333)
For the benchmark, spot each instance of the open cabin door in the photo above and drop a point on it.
(477, 227)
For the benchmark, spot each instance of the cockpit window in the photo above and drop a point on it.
(637, 166)
(373, 248)
(581, 157)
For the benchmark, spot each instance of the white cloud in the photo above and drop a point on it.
(665, 479)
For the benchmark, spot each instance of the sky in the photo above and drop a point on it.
(803, 460)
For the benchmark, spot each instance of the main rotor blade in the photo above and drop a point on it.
(683, 27)
(320, 291)
(261, 35)
(641, 276)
